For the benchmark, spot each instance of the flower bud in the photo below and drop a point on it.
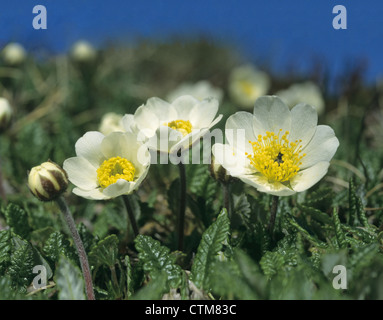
(218, 172)
(47, 181)
(14, 54)
(82, 52)
(5, 114)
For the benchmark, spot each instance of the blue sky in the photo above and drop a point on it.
(282, 31)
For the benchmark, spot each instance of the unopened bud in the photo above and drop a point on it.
(47, 181)
(14, 54)
(218, 172)
(5, 114)
(82, 52)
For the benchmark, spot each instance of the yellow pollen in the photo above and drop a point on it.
(113, 169)
(183, 126)
(276, 157)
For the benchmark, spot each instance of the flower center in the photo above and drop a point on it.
(183, 126)
(247, 87)
(276, 157)
(113, 169)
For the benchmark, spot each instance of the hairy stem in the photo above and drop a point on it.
(227, 198)
(273, 214)
(129, 210)
(79, 246)
(182, 208)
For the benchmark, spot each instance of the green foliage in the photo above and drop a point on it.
(69, 280)
(227, 255)
(158, 261)
(211, 244)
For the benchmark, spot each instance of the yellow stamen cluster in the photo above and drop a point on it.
(183, 126)
(276, 157)
(113, 169)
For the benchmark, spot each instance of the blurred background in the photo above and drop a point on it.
(285, 35)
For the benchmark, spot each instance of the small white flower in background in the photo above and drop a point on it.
(83, 51)
(107, 166)
(200, 90)
(281, 151)
(6, 113)
(246, 84)
(113, 122)
(14, 54)
(306, 91)
(174, 127)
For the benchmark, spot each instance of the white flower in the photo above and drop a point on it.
(275, 149)
(246, 84)
(173, 127)
(6, 113)
(200, 90)
(107, 166)
(308, 92)
(113, 122)
(14, 54)
(82, 51)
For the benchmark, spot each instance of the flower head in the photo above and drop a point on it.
(47, 181)
(14, 54)
(83, 51)
(171, 127)
(107, 166)
(200, 90)
(275, 149)
(246, 84)
(6, 113)
(306, 91)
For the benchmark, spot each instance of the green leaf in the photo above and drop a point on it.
(340, 236)
(210, 245)
(5, 249)
(21, 266)
(69, 280)
(105, 252)
(17, 219)
(157, 260)
(154, 290)
(271, 263)
(57, 245)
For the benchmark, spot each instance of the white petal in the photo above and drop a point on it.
(304, 120)
(239, 131)
(94, 194)
(235, 163)
(322, 147)
(128, 123)
(263, 185)
(184, 105)
(146, 121)
(89, 147)
(203, 113)
(271, 114)
(119, 188)
(81, 173)
(305, 179)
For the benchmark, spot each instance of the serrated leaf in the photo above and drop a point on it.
(5, 249)
(105, 252)
(17, 219)
(271, 263)
(340, 236)
(21, 266)
(157, 260)
(210, 245)
(57, 245)
(69, 280)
